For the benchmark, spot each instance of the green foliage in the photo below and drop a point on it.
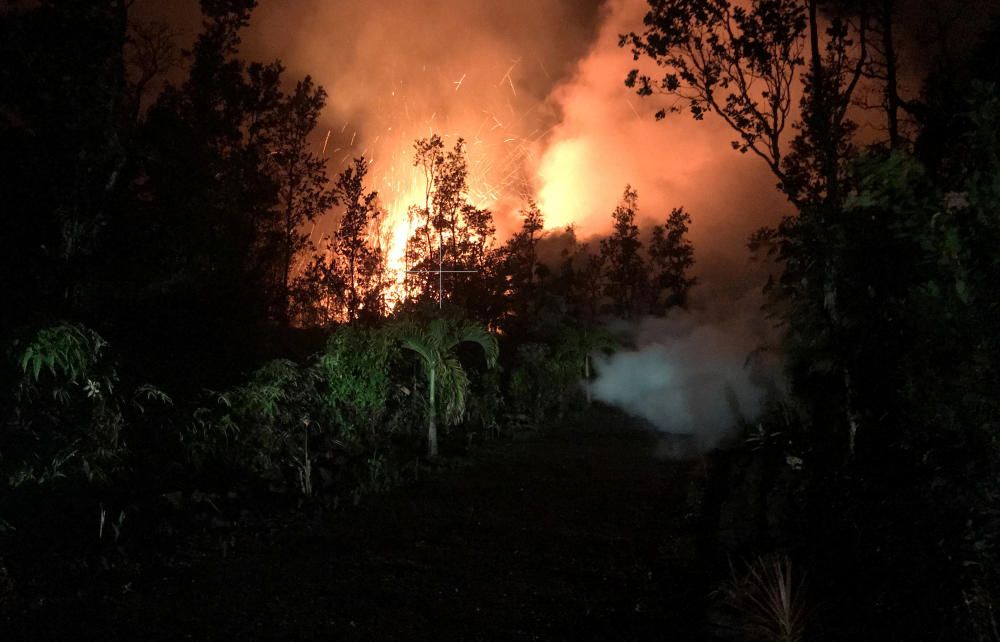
(272, 419)
(577, 344)
(545, 377)
(70, 411)
(354, 369)
(67, 351)
(435, 343)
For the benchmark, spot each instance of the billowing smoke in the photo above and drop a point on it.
(607, 137)
(696, 374)
(399, 70)
(535, 87)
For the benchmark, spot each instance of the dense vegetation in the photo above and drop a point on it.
(879, 473)
(168, 369)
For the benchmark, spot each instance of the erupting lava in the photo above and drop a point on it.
(498, 159)
(544, 118)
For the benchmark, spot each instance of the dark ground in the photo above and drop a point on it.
(580, 534)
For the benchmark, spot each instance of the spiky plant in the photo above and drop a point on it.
(447, 383)
(766, 600)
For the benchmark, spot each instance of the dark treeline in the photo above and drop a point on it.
(879, 474)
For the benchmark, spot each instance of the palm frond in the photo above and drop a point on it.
(422, 347)
(475, 333)
(454, 387)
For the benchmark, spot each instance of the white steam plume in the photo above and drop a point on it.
(695, 374)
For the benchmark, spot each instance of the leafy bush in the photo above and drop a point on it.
(290, 418)
(265, 426)
(69, 410)
(546, 377)
(486, 402)
(356, 379)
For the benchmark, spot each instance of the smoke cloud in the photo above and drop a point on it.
(698, 373)
(399, 70)
(607, 137)
(535, 87)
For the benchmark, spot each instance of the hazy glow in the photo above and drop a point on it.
(561, 195)
(536, 89)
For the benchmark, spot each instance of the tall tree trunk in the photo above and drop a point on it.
(432, 433)
(352, 306)
(823, 110)
(454, 235)
(816, 59)
(288, 249)
(891, 83)
(305, 470)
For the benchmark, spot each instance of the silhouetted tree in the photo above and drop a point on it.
(743, 64)
(672, 255)
(522, 248)
(589, 286)
(740, 64)
(63, 116)
(151, 52)
(361, 261)
(880, 247)
(447, 227)
(624, 269)
(347, 278)
(303, 187)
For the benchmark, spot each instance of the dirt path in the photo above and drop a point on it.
(571, 536)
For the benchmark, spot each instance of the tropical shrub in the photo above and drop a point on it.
(435, 342)
(270, 425)
(546, 377)
(529, 387)
(355, 378)
(69, 410)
